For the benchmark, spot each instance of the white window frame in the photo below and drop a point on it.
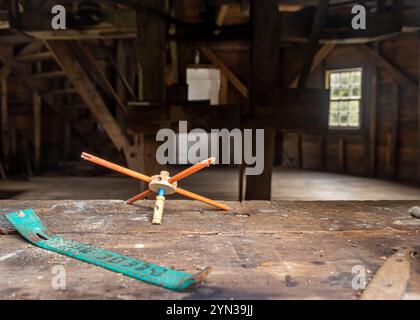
(349, 99)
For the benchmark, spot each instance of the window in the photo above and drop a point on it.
(345, 98)
(203, 84)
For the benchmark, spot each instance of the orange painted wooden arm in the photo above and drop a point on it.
(193, 169)
(195, 196)
(140, 196)
(115, 167)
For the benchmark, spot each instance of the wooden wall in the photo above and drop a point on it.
(386, 144)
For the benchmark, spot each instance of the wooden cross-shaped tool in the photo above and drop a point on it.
(161, 184)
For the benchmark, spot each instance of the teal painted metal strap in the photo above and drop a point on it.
(28, 224)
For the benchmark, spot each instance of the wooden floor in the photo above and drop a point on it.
(260, 250)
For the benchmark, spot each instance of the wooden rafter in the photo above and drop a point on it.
(37, 87)
(319, 57)
(380, 61)
(225, 70)
(103, 80)
(308, 57)
(77, 76)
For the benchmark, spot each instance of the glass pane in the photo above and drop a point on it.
(355, 92)
(354, 106)
(334, 79)
(344, 92)
(334, 106)
(335, 93)
(344, 106)
(334, 119)
(343, 119)
(356, 78)
(345, 79)
(354, 119)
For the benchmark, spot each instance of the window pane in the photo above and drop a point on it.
(354, 106)
(356, 78)
(354, 119)
(344, 92)
(345, 79)
(335, 93)
(334, 80)
(355, 92)
(344, 106)
(344, 117)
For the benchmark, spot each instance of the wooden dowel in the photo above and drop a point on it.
(115, 167)
(197, 197)
(140, 196)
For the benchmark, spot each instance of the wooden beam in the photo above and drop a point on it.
(299, 150)
(372, 134)
(221, 15)
(393, 134)
(308, 57)
(22, 71)
(37, 118)
(264, 82)
(418, 113)
(97, 70)
(119, 66)
(342, 155)
(380, 61)
(4, 122)
(319, 57)
(151, 52)
(77, 76)
(225, 70)
(223, 92)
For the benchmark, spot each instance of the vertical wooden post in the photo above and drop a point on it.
(372, 139)
(4, 123)
(151, 51)
(264, 83)
(223, 92)
(323, 153)
(67, 141)
(342, 155)
(418, 112)
(393, 135)
(37, 117)
(310, 50)
(299, 147)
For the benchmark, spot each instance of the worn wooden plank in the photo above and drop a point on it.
(390, 281)
(259, 250)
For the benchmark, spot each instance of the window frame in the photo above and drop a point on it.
(361, 99)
